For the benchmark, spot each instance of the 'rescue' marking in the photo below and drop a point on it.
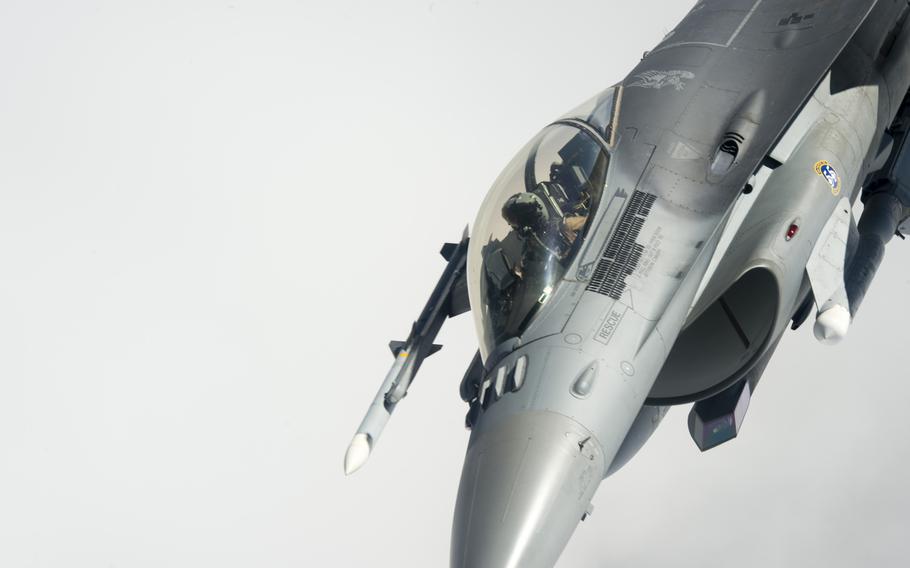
(610, 325)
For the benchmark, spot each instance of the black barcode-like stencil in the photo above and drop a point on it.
(623, 253)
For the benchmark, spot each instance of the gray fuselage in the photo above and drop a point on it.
(740, 93)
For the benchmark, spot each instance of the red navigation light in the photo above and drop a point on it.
(791, 232)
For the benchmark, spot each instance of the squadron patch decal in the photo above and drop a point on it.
(827, 171)
(661, 79)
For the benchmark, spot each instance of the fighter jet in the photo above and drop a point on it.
(651, 247)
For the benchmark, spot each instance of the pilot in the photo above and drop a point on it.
(546, 238)
(527, 214)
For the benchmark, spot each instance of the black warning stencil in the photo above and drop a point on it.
(623, 253)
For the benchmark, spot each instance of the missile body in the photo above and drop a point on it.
(449, 298)
(396, 382)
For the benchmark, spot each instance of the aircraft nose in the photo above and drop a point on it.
(525, 485)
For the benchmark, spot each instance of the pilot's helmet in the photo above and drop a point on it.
(525, 212)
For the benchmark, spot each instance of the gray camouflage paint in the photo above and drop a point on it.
(589, 360)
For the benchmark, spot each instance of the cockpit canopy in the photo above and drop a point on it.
(530, 227)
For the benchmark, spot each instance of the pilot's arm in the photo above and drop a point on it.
(572, 225)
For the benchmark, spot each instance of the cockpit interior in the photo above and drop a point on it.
(533, 223)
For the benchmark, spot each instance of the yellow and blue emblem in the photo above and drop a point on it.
(827, 171)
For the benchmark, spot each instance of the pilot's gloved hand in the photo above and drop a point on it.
(571, 226)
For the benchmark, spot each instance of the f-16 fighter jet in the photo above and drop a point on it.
(651, 247)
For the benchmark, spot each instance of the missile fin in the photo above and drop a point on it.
(826, 263)
(447, 250)
(395, 347)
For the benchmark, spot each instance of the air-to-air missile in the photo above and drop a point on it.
(449, 298)
(650, 248)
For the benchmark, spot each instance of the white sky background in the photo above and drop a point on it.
(215, 215)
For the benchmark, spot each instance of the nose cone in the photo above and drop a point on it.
(525, 485)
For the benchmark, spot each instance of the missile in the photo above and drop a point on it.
(832, 323)
(826, 268)
(396, 382)
(448, 299)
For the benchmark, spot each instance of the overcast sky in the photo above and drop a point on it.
(215, 215)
